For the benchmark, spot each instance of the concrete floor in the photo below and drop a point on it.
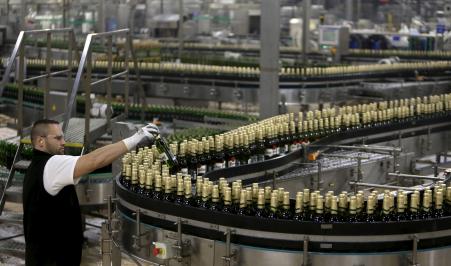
(91, 250)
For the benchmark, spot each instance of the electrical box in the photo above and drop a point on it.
(334, 40)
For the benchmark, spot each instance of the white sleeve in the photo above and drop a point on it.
(59, 172)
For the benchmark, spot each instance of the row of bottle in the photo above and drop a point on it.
(35, 95)
(276, 204)
(282, 134)
(241, 47)
(431, 66)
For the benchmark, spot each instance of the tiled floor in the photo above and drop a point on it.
(91, 250)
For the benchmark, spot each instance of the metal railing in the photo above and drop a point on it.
(20, 79)
(86, 61)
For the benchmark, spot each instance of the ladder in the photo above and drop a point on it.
(12, 192)
(81, 132)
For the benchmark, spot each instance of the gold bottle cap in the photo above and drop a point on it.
(274, 203)
(227, 196)
(149, 179)
(439, 200)
(249, 195)
(167, 185)
(400, 202)
(299, 202)
(312, 203)
(333, 205)
(261, 200)
(353, 205)
(188, 188)
(158, 183)
(286, 200)
(243, 200)
(319, 204)
(199, 186)
(280, 191)
(215, 193)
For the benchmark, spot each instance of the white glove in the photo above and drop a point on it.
(147, 133)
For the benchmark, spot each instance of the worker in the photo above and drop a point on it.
(52, 219)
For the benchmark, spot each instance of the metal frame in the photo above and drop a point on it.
(86, 60)
(19, 51)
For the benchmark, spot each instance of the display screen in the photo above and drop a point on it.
(329, 36)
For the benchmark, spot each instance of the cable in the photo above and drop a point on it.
(10, 237)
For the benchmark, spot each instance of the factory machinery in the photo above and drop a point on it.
(350, 203)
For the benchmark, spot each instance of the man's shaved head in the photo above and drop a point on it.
(40, 129)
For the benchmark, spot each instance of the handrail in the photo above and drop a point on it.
(86, 61)
(19, 51)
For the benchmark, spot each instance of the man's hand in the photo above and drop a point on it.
(147, 134)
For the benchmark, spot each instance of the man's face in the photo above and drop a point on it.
(53, 142)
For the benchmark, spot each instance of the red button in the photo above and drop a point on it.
(156, 251)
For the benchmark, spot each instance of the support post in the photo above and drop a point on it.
(269, 58)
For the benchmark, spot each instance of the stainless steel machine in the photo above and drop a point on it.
(164, 233)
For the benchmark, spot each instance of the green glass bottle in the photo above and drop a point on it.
(386, 214)
(242, 210)
(413, 211)
(285, 212)
(169, 157)
(198, 197)
(299, 207)
(352, 215)
(188, 199)
(333, 217)
(157, 193)
(438, 205)
(219, 156)
(261, 211)
(168, 195)
(343, 207)
(215, 202)
(149, 183)
(319, 212)
(205, 203)
(272, 213)
(426, 212)
(400, 207)
(227, 201)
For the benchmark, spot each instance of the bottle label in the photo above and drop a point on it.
(220, 165)
(250, 160)
(232, 162)
(293, 147)
(261, 157)
(202, 169)
(269, 152)
(184, 171)
(285, 150)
